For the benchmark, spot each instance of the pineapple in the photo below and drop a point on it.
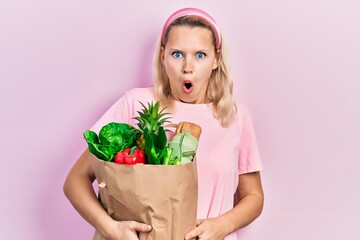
(151, 118)
(140, 142)
(151, 133)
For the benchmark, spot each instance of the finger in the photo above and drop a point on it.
(140, 227)
(194, 233)
(199, 221)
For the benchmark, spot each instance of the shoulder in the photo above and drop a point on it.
(135, 97)
(139, 93)
(241, 108)
(243, 114)
(130, 99)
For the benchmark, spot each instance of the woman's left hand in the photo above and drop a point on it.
(208, 229)
(249, 207)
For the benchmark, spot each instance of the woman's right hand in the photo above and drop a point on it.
(79, 190)
(126, 230)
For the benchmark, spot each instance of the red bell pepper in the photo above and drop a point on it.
(130, 156)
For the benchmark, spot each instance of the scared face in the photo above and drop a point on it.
(189, 58)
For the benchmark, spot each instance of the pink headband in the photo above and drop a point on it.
(193, 12)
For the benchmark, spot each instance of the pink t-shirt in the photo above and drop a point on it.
(222, 155)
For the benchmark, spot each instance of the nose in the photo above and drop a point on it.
(187, 66)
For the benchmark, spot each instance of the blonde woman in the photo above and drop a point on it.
(192, 80)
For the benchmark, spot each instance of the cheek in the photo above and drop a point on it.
(171, 68)
(206, 70)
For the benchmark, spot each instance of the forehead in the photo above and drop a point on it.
(196, 37)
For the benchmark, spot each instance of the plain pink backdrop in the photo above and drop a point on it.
(296, 64)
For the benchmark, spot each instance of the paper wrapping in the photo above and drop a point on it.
(162, 196)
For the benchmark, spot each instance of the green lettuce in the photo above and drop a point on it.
(184, 146)
(113, 138)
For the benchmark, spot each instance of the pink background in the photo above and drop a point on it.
(296, 64)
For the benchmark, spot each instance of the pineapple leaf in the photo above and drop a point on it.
(150, 122)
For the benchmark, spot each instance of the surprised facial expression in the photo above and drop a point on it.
(189, 58)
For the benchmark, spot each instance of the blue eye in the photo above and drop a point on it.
(177, 54)
(200, 55)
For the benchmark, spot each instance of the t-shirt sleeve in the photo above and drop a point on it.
(249, 157)
(118, 112)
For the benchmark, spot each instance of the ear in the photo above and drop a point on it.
(217, 59)
(162, 54)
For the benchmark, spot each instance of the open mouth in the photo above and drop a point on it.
(187, 86)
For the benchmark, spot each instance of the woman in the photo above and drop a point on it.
(192, 80)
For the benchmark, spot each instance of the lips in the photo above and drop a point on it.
(187, 86)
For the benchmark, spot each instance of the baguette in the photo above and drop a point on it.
(193, 128)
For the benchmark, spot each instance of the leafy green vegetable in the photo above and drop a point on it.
(152, 133)
(155, 146)
(113, 138)
(184, 146)
(150, 137)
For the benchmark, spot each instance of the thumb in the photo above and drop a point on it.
(140, 227)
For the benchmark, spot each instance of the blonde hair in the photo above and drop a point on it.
(220, 87)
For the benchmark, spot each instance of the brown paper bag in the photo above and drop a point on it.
(164, 197)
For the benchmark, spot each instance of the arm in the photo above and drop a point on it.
(78, 189)
(247, 210)
(250, 204)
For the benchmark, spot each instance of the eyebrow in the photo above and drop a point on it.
(179, 50)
